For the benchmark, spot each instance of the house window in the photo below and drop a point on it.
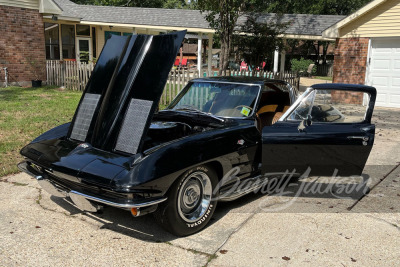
(107, 34)
(68, 41)
(83, 30)
(127, 34)
(52, 41)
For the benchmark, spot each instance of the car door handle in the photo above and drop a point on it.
(363, 138)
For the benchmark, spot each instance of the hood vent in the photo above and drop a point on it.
(84, 116)
(132, 128)
(124, 90)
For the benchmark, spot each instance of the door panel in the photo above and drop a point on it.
(322, 147)
(336, 133)
(84, 49)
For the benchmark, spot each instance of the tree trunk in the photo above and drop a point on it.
(224, 55)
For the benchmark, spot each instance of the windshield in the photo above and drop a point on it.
(219, 99)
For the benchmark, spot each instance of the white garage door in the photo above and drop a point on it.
(384, 71)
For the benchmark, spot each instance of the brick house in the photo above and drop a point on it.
(22, 38)
(368, 49)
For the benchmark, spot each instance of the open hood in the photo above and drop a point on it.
(122, 95)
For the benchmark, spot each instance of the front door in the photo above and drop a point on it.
(328, 129)
(84, 49)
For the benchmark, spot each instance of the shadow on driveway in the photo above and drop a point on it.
(146, 229)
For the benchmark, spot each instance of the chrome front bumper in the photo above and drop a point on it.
(81, 200)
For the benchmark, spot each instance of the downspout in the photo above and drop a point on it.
(5, 76)
(367, 70)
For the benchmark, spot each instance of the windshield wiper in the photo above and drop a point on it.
(194, 110)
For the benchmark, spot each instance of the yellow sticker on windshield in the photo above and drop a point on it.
(245, 111)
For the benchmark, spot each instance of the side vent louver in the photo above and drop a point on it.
(84, 116)
(134, 123)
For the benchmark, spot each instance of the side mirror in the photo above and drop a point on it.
(305, 123)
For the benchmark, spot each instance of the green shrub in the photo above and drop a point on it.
(301, 66)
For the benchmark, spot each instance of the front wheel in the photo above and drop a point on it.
(191, 202)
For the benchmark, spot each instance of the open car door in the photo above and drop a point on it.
(328, 129)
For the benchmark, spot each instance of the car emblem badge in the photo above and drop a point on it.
(240, 142)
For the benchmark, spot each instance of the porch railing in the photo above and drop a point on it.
(74, 75)
(70, 74)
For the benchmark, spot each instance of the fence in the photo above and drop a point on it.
(74, 75)
(70, 74)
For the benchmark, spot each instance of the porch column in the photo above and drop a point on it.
(199, 52)
(210, 44)
(283, 60)
(276, 59)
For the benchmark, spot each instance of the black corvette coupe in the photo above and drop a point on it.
(120, 151)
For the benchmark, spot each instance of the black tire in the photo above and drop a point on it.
(168, 214)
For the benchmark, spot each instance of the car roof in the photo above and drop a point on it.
(238, 79)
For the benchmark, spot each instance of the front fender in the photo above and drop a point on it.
(158, 170)
(55, 133)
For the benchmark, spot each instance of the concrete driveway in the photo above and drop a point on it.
(330, 227)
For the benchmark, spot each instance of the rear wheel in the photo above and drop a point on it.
(191, 202)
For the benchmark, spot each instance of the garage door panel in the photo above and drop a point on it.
(397, 64)
(381, 81)
(380, 100)
(396, 82)
(394, 100)
(382, 64)
(384, 71)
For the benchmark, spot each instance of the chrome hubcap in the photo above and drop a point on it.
(194, 196)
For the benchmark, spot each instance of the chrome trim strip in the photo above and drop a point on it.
(23, 167)
(119, 205)
(241, 83)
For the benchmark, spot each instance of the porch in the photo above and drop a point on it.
(79, 42)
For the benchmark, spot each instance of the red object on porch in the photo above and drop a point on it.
(243, 66)
(184, 62)
(176, 62)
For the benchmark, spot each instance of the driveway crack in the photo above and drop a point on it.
(372, 188)
(214, 256)
(384, 221)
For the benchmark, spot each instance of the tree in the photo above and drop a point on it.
(318, 7)
(222, 16)
(175, 4)
(260, 39)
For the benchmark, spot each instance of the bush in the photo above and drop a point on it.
(301, 66)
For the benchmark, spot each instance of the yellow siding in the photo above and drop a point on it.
(100, 35)
(32, 4)
(382, 21)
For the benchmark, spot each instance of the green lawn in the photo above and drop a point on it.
(326, 78)
(25, 113)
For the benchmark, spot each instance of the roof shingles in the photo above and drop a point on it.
(301, 24)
